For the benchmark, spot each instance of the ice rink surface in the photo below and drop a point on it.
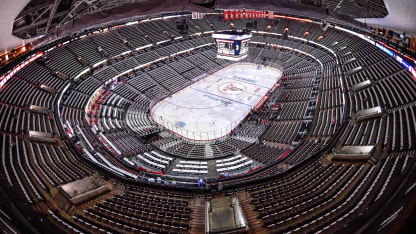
(212, 107)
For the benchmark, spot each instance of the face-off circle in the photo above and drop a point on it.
(213, 122)
(232, 88)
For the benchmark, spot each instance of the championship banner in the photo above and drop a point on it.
(200, 15)
(226, 17)
(232, 14)
(194, 15)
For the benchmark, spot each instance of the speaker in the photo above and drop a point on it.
(249, 25)
(255, 25)
(182, 26)
(180, 22)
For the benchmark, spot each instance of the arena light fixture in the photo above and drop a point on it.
(10, 74)
(143, 47)
(160, 42)
(293, 18)
(131, 23)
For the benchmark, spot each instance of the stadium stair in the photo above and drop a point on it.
(133, 89)
(257, 59)
(198, 216)
(212, 169)
(209, 153)
(172, 165)
(255, 225)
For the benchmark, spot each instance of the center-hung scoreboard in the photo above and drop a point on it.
(232, 45)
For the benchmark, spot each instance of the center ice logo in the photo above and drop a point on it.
(232, 88)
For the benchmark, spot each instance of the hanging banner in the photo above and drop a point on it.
(247, 14)
(241, 14)
(226, 15)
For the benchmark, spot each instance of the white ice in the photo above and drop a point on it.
(210, 108)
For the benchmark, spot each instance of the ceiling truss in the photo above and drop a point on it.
(40, 17)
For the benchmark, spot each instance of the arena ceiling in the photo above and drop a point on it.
(23, 21)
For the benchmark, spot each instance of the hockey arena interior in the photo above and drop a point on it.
(207, 116)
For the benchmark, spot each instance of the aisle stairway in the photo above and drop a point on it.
(255, 225)
(212, 170)
(198, 216)
(209, 153)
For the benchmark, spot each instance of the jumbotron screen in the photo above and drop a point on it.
(232, 45)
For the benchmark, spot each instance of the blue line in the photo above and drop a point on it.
(221, 97)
